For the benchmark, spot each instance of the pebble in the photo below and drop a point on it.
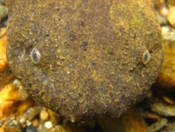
(3, 43)
(22, 94)
(32, 112)
(35, 122)
(171, 15)
(3, 12)
(170, 127)
(48, 125)
(9, 125)
(163, 109)
(28, 123)
(22, 120)
(44, 115)
(168, 100)
(150, 115)
(168, 33)
(158, 125)
(166, 77)
(164, 11)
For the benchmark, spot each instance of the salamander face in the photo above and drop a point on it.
(84, 58)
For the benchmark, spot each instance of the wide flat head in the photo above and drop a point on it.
(84, 58)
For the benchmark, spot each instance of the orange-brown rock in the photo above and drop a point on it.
(9, 101)
(3, 43)
(171, 15)
(166, 76)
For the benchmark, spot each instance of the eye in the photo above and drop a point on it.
(146, 57)
(35, 56)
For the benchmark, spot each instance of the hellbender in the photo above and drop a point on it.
(84, 58)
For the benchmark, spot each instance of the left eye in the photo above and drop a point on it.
(35, 56)
(146, 57)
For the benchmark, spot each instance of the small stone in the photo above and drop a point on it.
(164, 11)
(32, 112)
(163, 109)
(48, 125)
(3, 12)
(8, 98)
(3, 43)
(44, 115)
(150, 115)
(35, 122)
(158, 125)
(171, 15)
(168, 33)
(166, 77)
(22, 94)
(28, 123)
(170, 127)
(9, 124)
(168, 100)
(22, 120)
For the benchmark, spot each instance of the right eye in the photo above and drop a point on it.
(35, 56)
(146, 57)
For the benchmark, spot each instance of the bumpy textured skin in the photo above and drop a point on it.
(91, 52)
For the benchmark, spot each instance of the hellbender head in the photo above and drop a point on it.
(84, 58)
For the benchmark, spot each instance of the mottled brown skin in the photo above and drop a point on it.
(91, 52)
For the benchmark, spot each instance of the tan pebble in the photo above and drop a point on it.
(22, 120)
(164, 11)
(151, 115)
(8, 98)
(48, 125)
(28, 123)
(3, 12)
(166, 76)
(163, 109)
(3, 43)
(32, 112)
(22, 94)
(2, 32)
(168, 100)
(35, 123)
(158, 125)
(44, 115)
(171, 15)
